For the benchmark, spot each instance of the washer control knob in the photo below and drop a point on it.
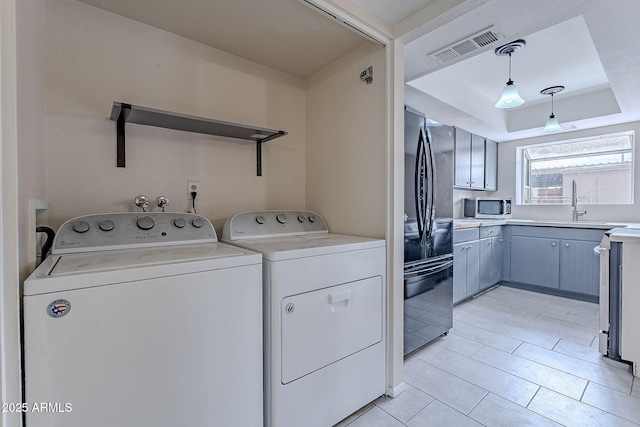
(302, 218)
(80, 227)
(312, 218)
(145, 223)
(197, 222)
(106, 225)
(179, 222)
(281, 218)
(260, 219)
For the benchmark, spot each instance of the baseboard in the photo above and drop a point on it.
(397, 390)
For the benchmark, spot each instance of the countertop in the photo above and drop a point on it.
(471, 222)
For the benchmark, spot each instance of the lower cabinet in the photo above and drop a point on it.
(477, 260)
(535, 261)
(491, 254)
(466, 269)
(558, 259)
(580, 270)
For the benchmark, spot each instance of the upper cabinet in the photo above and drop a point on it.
(490, 165)
(476, 162)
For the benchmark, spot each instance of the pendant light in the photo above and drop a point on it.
(552, 124)
(510, 97)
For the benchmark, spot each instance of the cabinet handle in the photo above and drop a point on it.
(553, 243)
(566, 245)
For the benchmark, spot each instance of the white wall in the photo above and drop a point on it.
(93, 57)
(31, 159)
(10, 390)
(507, 183)
(346, 163)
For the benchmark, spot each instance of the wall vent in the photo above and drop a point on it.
(467, 45)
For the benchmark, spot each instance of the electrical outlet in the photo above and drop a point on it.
(193, 186)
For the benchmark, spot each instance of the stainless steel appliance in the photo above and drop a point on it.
(428, 230)
(610, 296)
(487, 208)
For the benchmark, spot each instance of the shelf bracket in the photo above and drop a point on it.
(120, 145)
(259, 158)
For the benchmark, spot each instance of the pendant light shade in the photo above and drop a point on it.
(552, 124)
(510, 97)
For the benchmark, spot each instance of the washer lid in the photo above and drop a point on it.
(90, 269)
(282, 248)
(92, 262)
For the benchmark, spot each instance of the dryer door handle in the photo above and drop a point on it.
(336, 297)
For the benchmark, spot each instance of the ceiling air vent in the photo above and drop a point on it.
(467, 45)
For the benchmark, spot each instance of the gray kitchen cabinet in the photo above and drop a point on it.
(558, 260)
(491, 165)
(580, 269)
(491, 254)
(466, 263)
(535, 261)
(462, 158)
(466, 270)
(476, 162)
(459, 272)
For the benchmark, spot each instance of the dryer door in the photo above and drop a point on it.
(324, 326)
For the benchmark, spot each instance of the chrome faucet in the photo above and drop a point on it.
(574, 202)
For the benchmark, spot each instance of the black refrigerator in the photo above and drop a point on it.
(428, 230)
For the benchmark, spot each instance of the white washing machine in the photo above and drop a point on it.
(324, 316)
(143, 319)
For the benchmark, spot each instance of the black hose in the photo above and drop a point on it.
(48, 243)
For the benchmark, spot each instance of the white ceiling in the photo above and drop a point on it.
(394, 11)
(286, 35)
(589, 46)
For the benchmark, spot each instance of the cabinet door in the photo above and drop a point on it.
(462, 158)
(473, 267)
(491, 165)
(477, 162)
(580, 271)
(535, 261)
(496, 259)
(459, 272)
(486, 261)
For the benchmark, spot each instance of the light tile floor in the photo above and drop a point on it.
(513, 358)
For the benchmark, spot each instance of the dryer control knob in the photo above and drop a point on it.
(197, 222)
(179, 222)
(312, 218)
(145, 223)
(106, 225)
(80, 227)
(281, 218)
(260, 219)
(302, 218)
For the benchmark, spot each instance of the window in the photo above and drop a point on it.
(602, 168)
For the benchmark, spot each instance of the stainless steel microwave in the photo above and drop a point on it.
(488, 208)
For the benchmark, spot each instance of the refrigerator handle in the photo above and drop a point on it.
(419, 188)
(431, 184)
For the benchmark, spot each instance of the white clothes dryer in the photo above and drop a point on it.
(143, 319)
(324, 316)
